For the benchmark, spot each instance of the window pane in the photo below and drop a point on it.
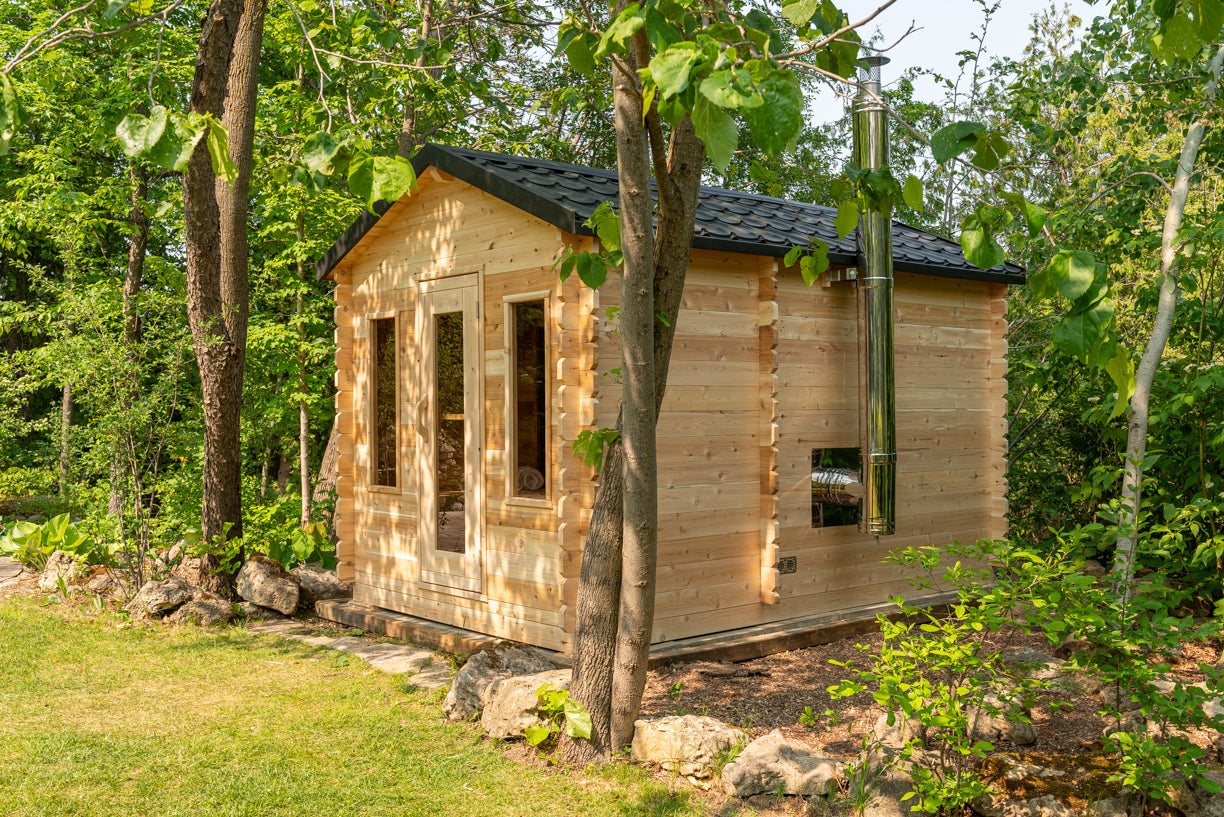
(448, 328)
(531, 399)
(383, 332)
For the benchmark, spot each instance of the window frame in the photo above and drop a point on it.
(373, 438)
(511, 493)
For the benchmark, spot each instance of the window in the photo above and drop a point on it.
(527, 398)
(836, 491)
(384, 424)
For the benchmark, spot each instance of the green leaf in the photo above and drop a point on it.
(1208, 19)
(178, 142)
(672, 67)
(114, 7)
(792, 255)
(1071, 273)
(911, 193)
(577, 720)
(623, 26)
(607, 226)
(579, 54)
(379, 178)
(952, 140)
(811, 266)
(977, 236)
(592, 270)
(990, 150)
(12, 115)
(1121, 370)
(137, 134)
(800, 13)
(723, 89)
(320, 151)
(1176, 39)
(1078, 333)
(536, 734)
(716, 128)
(847, 218)
(780, 119)
(1034, 215)
(218, 151)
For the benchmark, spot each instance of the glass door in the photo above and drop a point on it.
(449, 433)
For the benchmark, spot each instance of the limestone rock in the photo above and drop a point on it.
(60, 566)
(890, 787)
(468, 692)
(264, 582)
(901, 731)
(1046, 806)
(1117, 698)
(513, 704)
(1195, 801)
(1110, 807)
(1006, 725)
(1034, 664)
(156, 598)
(253, 612)
(686, 744)
(318, 584)
(1093, 568)
(105, 582)
(204, 611)
(775, 762)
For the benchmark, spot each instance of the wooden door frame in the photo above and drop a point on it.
(469, 581)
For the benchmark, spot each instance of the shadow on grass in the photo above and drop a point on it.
(657, 801)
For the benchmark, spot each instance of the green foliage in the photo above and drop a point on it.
(33, 544)
(589, 445)
(934, 668)
(304, 546)
(22, 482)
(557, 706)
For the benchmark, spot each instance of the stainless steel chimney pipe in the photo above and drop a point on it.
(877, 403)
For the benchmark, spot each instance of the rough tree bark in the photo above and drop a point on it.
(65, 454)
(1145, 372)
(677, 169)
(226, 79)
(133, 279)
(639, 537)
(299, 309)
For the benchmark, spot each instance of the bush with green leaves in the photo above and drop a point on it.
(557, 706)
(1129, 640)
(33, 544)
(16, 483)
(936, 668)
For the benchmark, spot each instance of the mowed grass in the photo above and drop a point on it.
(100, 720)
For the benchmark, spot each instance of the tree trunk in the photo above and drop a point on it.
(65, 455)
(226, 78)
(410, 127)
(678, 175)
(133, 279)
(1145, 372)
(299, 309)
(639, 463)
(327, 468)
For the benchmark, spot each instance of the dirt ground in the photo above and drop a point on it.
(774, 692)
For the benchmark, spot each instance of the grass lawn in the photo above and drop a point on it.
(100, 720)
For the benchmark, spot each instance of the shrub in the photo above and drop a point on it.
(33, 544)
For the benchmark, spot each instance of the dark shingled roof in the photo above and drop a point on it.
(565, 196)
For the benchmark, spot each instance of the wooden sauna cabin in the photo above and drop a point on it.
(466, 368)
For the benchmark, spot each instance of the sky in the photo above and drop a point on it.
(945, 27)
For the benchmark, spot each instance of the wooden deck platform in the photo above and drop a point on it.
(742, 644)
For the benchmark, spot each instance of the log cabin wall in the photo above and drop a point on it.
(708, 446)
(447, 228)
(765, 370)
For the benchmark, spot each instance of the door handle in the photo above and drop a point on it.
(420, 414)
